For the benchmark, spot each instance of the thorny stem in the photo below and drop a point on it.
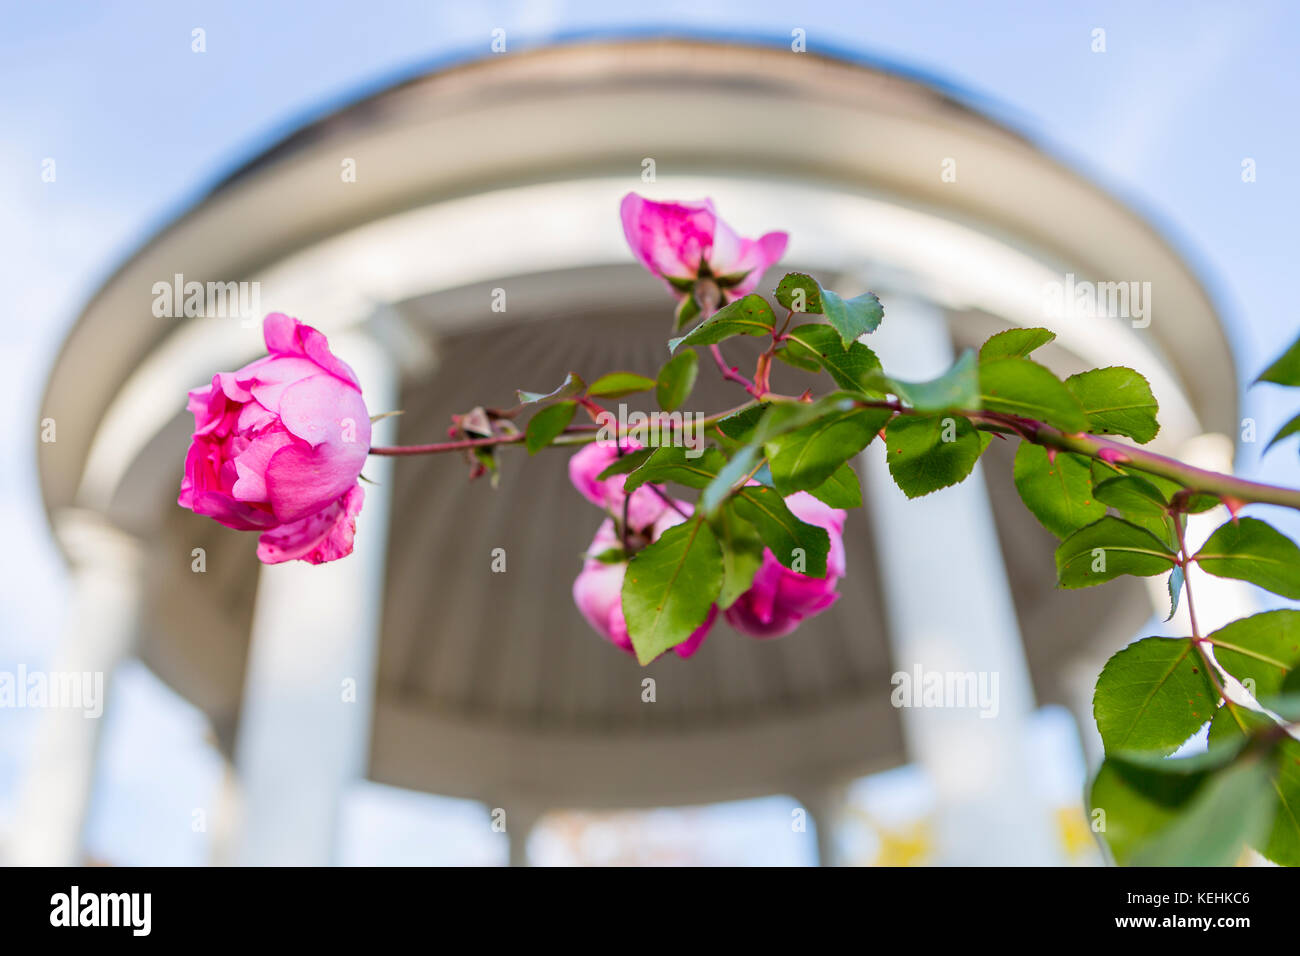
(1192, 478)
(731, 373)
(1185, 558)
(1229, 488)
(627, 504)
(666, 500)
(571, 436)
(1199, 642)
(709, 297)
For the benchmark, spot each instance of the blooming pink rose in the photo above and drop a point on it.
(780, 598)
(278, 447)
(646, 506)
(598, 590)
(683, 240)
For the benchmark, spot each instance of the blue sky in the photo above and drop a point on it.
(139, 127)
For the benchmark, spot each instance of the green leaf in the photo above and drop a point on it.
(1014, 343)
(676, 380)
(800, 293)
(796, 354)
(808, 456)
(1286, 370)
(547, 424)
(740, 426)
(748, 316)
(1250, 550)
(1059, 493)
(1177, 578)
(1263, 648)
(1232, 727)
(1132, 495)
(1134, 801)
(849, 317)
(1017, 386)
(1283, 845)
(956, 388)
(784, 417)
(742, 553)
(488, 459)
(852, 317)
(1141, 503)
(1117, 401)
(1230, 811)
(572, 385)
(1106, 549)
(670, 586)
(626, 463)
(1286, 431)
(840, 490)
(799, 546)
(1167, 488)
(855, 368)
(687, 310)
(1152, 696)
(716, 492)
(619, 385)
(929, 452)
(672, 463)
(748, 430)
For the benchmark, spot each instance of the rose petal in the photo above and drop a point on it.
(754, 258)
(669, 239)
(322, 410)
(326, 535)
(692, 644)
(250, 465)
(288, 336)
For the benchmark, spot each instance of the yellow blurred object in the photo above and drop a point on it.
(1076, 836)
(910, 845)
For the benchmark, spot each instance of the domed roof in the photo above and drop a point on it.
(506, 173)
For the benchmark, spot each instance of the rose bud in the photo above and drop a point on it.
(647, 504)
(278, 447)
(598, 590)
(684, 242)
(778, 599)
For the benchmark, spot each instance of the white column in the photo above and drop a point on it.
(521, 819)
(304, 730)
(824, 804)
(100, 629)
(950, 611)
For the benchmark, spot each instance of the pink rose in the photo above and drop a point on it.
(646, 506)
(780, 598)
(598, 590)
(278, 447)
(682, 241)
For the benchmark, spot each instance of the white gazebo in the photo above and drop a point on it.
(391, 225)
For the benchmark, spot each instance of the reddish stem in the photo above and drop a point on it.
(731, 373)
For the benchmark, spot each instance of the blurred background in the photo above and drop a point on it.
(1162, 142)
